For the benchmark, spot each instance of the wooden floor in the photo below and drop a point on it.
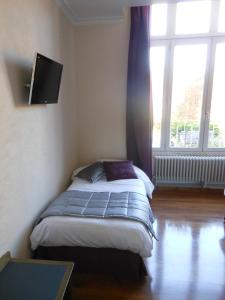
(187, 263)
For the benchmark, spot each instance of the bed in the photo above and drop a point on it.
(106, 245)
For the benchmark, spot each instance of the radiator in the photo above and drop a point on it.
(189, 171)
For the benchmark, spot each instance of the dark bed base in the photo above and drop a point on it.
(119, 263)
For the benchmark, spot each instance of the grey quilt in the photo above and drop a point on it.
(125, 205)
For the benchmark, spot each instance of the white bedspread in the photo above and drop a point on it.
(100, 233)
(117, 186)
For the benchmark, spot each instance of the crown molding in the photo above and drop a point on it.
(72, 11)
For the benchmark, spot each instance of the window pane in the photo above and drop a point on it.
(222, 16)
(157, 63)
(158, 22)
(217, 123)
(187, 92)
(193, 17)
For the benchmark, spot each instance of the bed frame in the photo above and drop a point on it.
(122, 264)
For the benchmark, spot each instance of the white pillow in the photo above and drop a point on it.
(149, 187)
(76, 171)
(147, 182)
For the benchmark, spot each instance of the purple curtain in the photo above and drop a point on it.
(139, 108)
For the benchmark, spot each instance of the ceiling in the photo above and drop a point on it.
(81, 12)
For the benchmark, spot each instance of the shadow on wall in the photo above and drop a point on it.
(68, 92)
(19, 73)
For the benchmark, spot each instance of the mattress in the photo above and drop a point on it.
(99, 233)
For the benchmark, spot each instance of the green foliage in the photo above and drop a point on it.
(178, 127)
(215, 129)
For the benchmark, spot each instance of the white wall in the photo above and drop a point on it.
(38, 145)
(101, 56)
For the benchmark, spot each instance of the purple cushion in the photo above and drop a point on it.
(116, 170)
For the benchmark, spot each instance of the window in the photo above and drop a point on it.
(217, 123)
(157, 61)
(187, 94)
(158, 21)
(193, 17)
(187, 61)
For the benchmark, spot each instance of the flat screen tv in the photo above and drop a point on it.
(45, 80)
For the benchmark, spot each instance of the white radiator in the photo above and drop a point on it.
(190, 171)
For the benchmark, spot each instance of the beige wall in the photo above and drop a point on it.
(38, 147)
(101, 55)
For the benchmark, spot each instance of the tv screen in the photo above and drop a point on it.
(45, 81)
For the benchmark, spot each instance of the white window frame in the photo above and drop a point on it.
(170, 40)
(214, 42)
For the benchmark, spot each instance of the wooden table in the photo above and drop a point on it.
(23, 279)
